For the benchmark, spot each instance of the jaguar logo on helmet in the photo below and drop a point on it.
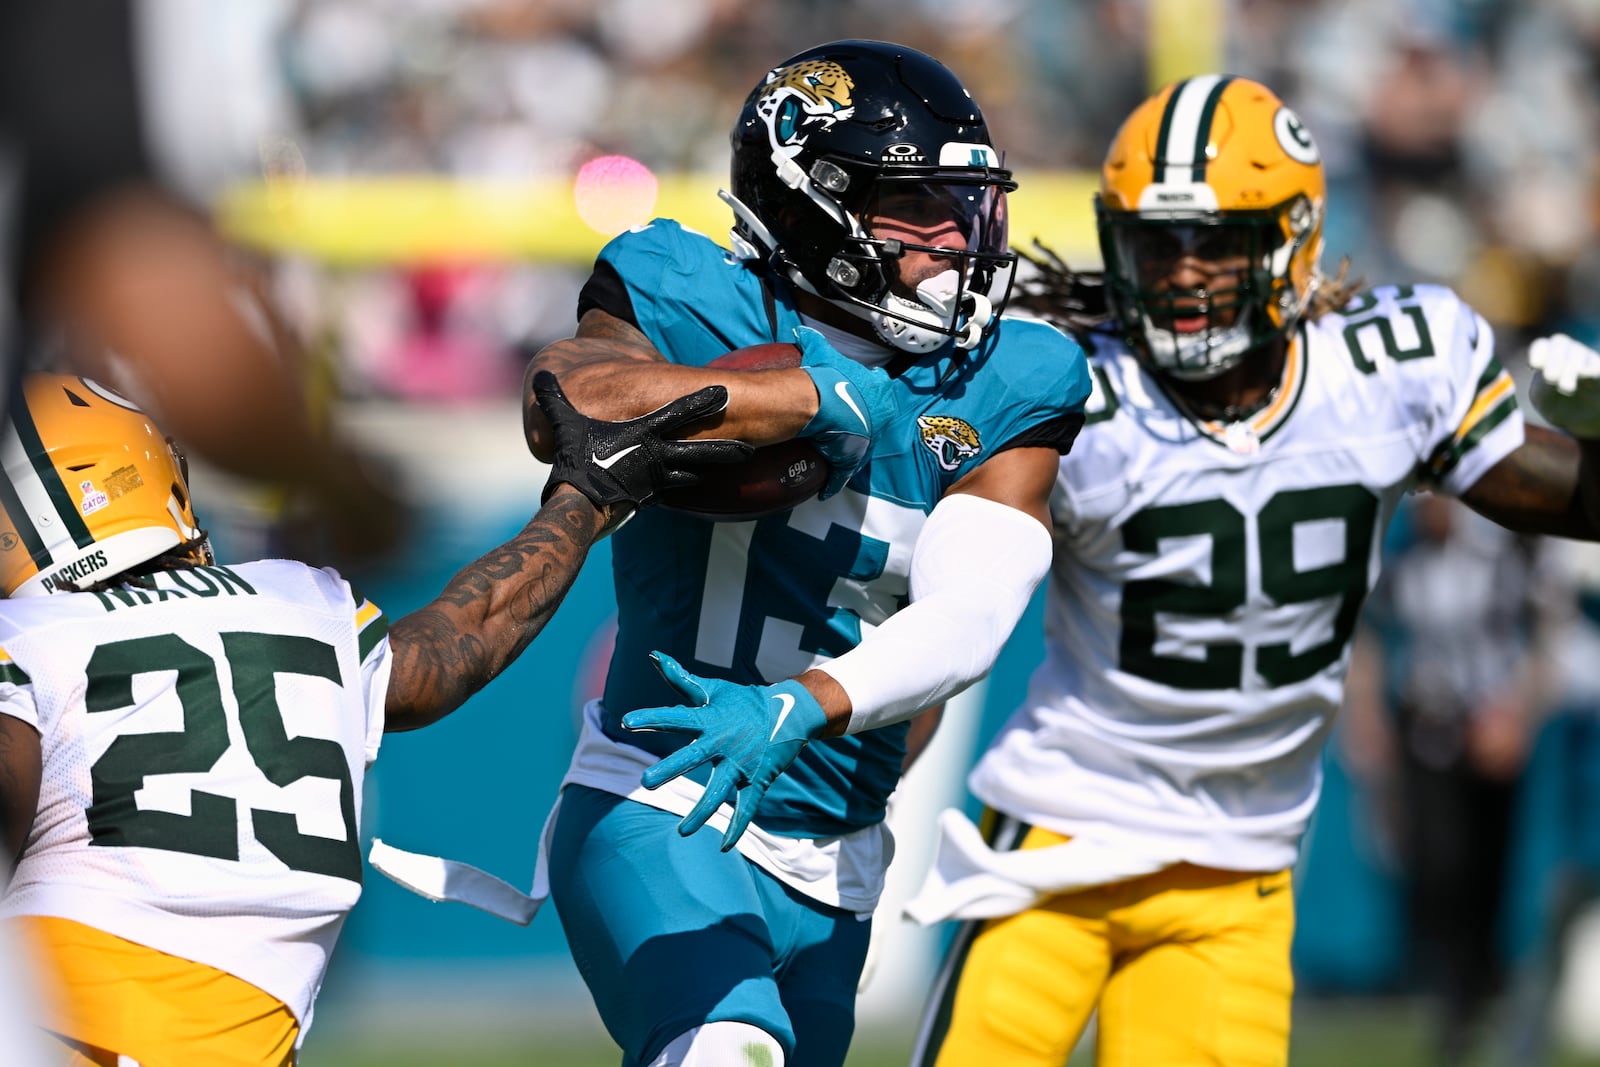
(804, 95)
(952, 441)
(817, 141)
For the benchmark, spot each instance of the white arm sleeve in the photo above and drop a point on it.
(973, 570)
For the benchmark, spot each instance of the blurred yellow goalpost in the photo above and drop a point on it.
(372, 220)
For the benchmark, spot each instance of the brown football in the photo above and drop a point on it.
(774, 479)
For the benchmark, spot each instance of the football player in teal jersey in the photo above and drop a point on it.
(1217, 526)
(765, 671)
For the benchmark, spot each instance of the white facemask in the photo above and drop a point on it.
(936, 306)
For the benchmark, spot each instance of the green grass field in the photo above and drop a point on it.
(1364, 1034)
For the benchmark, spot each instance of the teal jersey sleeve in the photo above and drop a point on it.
(1026, 385)
(692, 298)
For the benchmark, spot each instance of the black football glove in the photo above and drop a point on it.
(625, 465)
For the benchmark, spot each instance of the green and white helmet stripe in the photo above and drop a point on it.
(37, 503)
(1179, 177)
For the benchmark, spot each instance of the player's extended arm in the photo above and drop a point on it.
(612, 371)
(960, 615)
(20, 769)
(945, 639)
(1551, 484)
(490, 611)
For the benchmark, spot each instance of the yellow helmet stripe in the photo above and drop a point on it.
(1186, 127)
(38, 458)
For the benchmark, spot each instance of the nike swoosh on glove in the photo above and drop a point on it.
(626, 464)
(748, 733)
(1566, 384)
(855, 404)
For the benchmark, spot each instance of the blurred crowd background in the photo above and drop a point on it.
(402, 174)
(1459, 135)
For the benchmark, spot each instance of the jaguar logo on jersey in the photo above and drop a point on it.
(805, 94)
(952, 441)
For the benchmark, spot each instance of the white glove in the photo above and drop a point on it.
(1566, 384)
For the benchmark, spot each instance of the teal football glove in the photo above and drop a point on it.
(749, 733)
(855, 404)
(1566, 384)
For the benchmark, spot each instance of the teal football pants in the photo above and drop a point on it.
(670, 933)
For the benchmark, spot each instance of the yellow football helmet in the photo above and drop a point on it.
(92, 488)
(1210, 169)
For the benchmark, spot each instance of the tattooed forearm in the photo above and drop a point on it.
(588, 366)
(488, 613)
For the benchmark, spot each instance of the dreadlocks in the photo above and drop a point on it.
(192, 553)
(1075, 301)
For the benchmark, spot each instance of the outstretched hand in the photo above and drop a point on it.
(1566, 384)
(627, 464)
(748, 733)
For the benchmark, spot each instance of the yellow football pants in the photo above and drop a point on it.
(1189, 967)
(113, 997)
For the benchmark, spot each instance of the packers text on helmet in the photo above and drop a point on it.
(92, 488)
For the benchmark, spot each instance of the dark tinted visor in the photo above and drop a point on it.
(1164, 244)
(977, 212)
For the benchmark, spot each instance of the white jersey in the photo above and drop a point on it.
(1207, 580)
(204, 748)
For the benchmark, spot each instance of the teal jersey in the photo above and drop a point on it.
(757, 602)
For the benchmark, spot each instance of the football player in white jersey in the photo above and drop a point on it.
(182, 743)
(1216, 528)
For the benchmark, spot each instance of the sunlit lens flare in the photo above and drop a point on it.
(614, 193)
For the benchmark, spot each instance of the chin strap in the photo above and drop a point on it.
(923, 325)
